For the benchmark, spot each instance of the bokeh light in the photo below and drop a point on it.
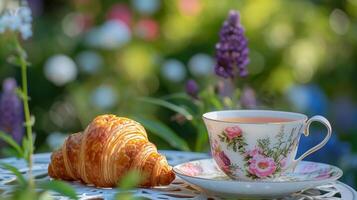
(89, 61)
(339, 21)
(190, 7)
(147, 29)
(305, 57)
(60, 69)
(73, 24)
(136, 62)
(55, 140)
(104, 97)
(121, 13)
(279, 35)
(173, 70)
(111, 35)
(146, 6)
(201, 64)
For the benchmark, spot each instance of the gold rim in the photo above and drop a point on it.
(303, 117)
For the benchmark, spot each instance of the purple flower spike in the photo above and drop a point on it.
(192, 88)
(11, 110)
(232, 49)
(248, 98)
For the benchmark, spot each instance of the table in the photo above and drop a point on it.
(177, 190)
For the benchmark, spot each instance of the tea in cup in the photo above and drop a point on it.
(258, 144)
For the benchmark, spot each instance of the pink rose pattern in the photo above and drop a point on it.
(233, 132)
(263, 161)
(261, 166)
(222, 159)
(191, 169)
(233, 137)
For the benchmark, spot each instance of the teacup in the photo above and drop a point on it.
(258, 144)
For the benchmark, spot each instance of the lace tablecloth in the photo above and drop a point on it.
(176, 190)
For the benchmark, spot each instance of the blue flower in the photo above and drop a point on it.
(331, 153)
(308, 99)
(17, 20)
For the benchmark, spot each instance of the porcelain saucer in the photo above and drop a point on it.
(206, 175)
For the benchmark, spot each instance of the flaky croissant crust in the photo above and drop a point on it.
(108, 148)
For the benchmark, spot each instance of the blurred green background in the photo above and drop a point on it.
(90, 57)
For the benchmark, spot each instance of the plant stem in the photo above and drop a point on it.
(25, 98)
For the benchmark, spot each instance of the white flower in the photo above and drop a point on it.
(18, 20)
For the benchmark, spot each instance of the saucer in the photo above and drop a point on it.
(206, 175)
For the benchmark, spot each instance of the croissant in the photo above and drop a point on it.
(108, 148)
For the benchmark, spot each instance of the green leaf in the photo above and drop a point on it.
(24, 193)
(45, 196)
(168, 105)
(20, 178)
(164, 132)
(176, 96)
(216, 103)
(131, 180)
(60, 187)
(9, 140)
(10, 152)
(202, 138)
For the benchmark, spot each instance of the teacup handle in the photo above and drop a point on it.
(326, 123)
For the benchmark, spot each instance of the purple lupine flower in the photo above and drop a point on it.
(232, 48)
(248, 98)
(192, 88)
(11, 110)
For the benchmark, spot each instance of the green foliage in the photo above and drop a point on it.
(60, 187)
(164, 132)
(202, 136)
(10, 141)
(26, 193)
(131, 180)
(166, 104)
(208, 100)
(264, 145)
(19, 177)
(26, 188)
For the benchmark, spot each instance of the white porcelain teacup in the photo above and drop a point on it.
(258, 144)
